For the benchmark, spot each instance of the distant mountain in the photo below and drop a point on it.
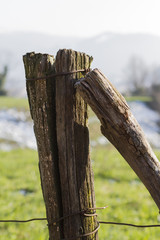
(111, 53)
(14, 45)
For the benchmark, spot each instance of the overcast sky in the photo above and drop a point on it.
(80, 18)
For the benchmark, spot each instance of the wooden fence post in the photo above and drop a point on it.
(73, 146)
(41, 95)
(122, 129)
(60, 124)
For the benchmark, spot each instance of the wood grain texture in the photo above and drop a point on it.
(41, 95)
(73, 146)
(120, 127)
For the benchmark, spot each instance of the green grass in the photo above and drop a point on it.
(19, 171)
(11, 102)
(138, 98)
(116, 185)
(22, 103)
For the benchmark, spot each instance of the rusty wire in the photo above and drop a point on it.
(59, 74)
(85, 213)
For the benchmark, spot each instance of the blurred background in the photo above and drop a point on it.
(124, 39)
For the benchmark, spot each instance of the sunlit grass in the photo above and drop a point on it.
(139, 98)
(22, 103)
(116, 185)
(12, 102)
(19, 172)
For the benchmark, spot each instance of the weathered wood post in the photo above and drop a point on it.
(60, 124)
(73, 146)
(121, 128)
(41, 95)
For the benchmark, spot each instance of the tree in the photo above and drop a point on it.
(2, 80)
(136, 75)
(154, 90)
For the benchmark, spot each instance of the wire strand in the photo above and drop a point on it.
(59, 74)
(130, 224)
(23, 221)
(87, 215)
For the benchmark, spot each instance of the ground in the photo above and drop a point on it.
(116, 185)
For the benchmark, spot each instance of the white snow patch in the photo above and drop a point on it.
(148, 120)
(15, 128)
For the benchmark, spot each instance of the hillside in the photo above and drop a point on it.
(111, 53)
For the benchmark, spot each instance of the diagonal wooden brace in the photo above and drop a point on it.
(121, 128)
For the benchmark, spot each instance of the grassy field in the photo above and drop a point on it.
(116, 185)
(20, 195)
(139, 98)
(22, 103)
(11, 102)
